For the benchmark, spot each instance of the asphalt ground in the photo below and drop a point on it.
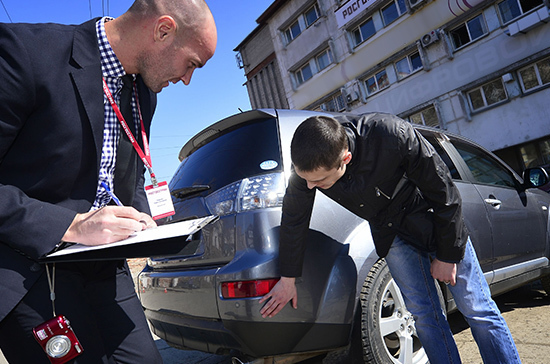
(526, 310)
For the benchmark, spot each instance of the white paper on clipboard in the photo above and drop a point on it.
(159, 233)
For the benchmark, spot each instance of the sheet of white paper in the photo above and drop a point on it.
(181, 228)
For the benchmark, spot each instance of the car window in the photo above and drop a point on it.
(242, 152)
(485, 169)
(443, 154)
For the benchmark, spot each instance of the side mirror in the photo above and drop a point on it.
(535, 177)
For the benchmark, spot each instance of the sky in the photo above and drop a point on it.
(215, 92)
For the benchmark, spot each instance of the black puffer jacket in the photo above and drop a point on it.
(396, 181)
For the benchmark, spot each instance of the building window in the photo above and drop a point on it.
(426, 117)
(304, 74)
(408, 65)
(393, 11)
(303, 21)
(536, 154)
(292, 32)
(511, 9)
(377, 82)
(323, 60)
(311, 15)
(335, 103)
(488, 94)
(363, 32)
(468, 31)
(313, 66)
(535, 75)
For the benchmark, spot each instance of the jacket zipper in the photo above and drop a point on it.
(379, 193)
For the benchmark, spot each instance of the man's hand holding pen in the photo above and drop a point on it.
(107, 225)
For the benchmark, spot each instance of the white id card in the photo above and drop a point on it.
(160, 200)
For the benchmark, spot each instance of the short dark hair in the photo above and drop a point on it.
(319, 141)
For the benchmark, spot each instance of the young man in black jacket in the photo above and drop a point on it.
(387, 173)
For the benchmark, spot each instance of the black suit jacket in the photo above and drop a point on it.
(51, 136)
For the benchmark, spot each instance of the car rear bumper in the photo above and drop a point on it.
(184, 332)
(257, 339)
(186, 306)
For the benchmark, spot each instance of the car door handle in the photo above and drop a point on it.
(493, 202)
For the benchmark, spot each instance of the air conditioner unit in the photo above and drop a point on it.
(429, 38)
(351, 97)
(350, 92)
(416, 3)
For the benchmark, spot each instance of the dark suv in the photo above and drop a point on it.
(237, 169)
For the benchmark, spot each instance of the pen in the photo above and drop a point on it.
(113, 196)
(117, 201)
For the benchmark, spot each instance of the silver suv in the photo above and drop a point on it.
(207, 298)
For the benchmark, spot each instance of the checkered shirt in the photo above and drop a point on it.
(112, 71)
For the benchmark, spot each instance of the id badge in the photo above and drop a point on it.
(160, 200)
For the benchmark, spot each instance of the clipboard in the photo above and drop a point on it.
(165, 240)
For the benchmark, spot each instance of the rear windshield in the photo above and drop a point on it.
(249, 150)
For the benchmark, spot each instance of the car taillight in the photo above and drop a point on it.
(243, 289)
(257, 192)
(223, 201)
(261, 191)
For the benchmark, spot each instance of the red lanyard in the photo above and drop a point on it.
(145, 156)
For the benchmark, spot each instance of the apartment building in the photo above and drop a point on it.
(476, 68)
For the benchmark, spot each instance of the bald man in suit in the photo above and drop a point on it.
(59, 139)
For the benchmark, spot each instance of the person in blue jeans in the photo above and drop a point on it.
(380, 168)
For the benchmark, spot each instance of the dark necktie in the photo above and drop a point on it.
(126, 157)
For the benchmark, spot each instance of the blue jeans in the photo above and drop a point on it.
(410, 269)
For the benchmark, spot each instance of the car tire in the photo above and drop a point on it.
(386, 324)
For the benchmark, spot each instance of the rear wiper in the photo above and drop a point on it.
(187, 191)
